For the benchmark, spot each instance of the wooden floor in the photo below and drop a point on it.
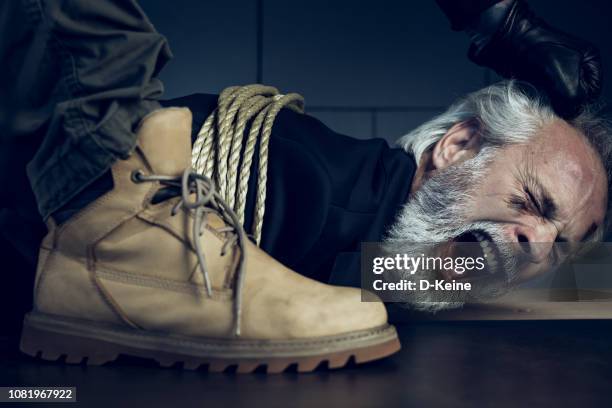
(453, 364)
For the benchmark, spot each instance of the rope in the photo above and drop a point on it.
(217, 150)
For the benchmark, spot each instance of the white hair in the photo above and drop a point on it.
(505, 111)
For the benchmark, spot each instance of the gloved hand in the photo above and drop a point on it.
(567, 68)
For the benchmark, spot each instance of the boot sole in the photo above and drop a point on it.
(53, 337)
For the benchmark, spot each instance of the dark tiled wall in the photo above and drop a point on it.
(366, 68)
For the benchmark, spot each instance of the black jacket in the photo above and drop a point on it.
(326, 192)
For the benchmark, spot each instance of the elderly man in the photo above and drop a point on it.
(143, 256)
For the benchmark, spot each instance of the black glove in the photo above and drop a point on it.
(524, 47)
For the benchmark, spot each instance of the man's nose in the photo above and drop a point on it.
(536, 241)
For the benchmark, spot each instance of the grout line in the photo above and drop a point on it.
(259, 41)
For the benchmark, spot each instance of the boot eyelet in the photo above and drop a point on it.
(136, 176)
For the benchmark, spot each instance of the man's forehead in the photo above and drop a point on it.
(563, 151)
(561, 144)
(568, 166)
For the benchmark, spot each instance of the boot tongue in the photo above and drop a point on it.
(165, 194)
(164, 137)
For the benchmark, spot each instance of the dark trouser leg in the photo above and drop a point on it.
(78, 75)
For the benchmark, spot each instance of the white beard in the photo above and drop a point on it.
(438, 213)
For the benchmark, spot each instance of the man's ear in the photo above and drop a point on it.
(461, 142)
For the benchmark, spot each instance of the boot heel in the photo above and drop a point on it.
(52, 346)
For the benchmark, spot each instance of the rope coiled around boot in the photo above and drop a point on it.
(217, 150)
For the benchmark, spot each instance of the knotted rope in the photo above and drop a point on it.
(217, 150)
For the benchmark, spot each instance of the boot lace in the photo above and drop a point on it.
(206, 200)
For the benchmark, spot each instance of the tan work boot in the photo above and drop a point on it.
(177, 280)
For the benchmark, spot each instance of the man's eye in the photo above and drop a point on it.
(518, 203)
(532, 201)
(525, 202)
(515, 202)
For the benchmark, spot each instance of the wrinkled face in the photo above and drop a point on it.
(551, 190)
(525, 206)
